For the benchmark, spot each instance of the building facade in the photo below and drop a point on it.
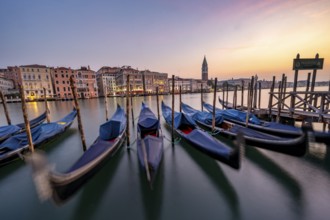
(152, 80)
(34, 79)
(6, 85)
(106, 80)
(187, 85)
(86, 83)
(61, 82)
(13, 73)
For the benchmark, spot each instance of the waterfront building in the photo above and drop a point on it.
(6, 85)
(135, 80)
(34, 79)
(205, 75)
(187, 85)
(61, 82)
(86, 83)
(106, 80)
(152, 80)
(13, 73)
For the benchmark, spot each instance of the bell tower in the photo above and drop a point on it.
(205, 76)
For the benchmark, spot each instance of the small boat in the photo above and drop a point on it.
(61, 186)
(273, 128)
(10, 130)
(187, 129)
(228, 105)
(292, 146)
(150, 145)
(14, 146)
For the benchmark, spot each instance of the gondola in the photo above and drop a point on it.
(16, 145)
(273, 128)
(150, 145)
(228, 105)
(61, 186)
(185, 126)
(10, 130)
(292, 146)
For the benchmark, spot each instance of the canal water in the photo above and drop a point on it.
(189, 184)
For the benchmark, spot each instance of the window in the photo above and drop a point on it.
(56, 82)
(47, 77)
(69, 89)
(58, 89)
(63, 82)
(62, 75)
(55, 74)
(64, 89)
(39, 77)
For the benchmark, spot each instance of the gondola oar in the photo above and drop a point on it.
(146, 164)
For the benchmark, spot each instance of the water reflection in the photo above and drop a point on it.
(290, 184)
(93, 192)
(216, 176)
(152, 198)
(321, 162)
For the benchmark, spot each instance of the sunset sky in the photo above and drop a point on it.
(239, 38)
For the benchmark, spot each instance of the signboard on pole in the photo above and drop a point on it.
(308, 64)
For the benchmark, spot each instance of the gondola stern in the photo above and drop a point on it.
(237, 153)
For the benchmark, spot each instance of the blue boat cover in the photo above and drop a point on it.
(39, 134)
(9, 130)
(153, 144)
(102, 145)
(147, 119)
(154, 151)
(179, 118)
(201, 139)
(204, 117)
(240, 116)
(114, 127)
(34, 122)
(233, 114)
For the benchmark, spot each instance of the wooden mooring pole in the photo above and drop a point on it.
(172, 131)
(46, 105)
(4, 103)
(214, 98)
(292, 105)
(157, 100)
(26, 119)
(202, 96)
(223, 94)
(226, 94)
(235, 98)
(127, 112)
(80, 126)
(131, 105)
(180, 99)
(271, 95)
(279, 103)
(242, 96)
(259, 98)
(106, 103)
(248, 104)
(307, 89)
